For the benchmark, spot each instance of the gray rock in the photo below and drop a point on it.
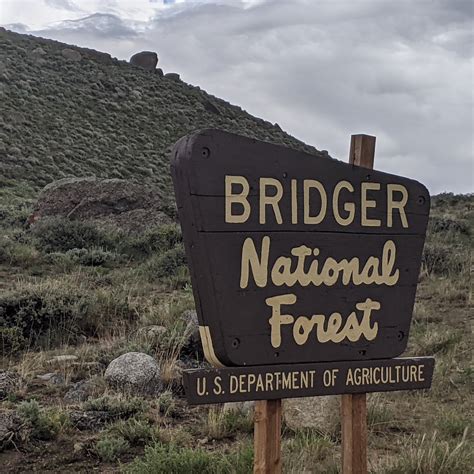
(81, 391)
(52, 378)
(63, 359)
(159, 71)
(145, 59)
(151, 332)
(135, 372)
(112, 203)
(71, 54)
(9, 382)
(38, 55)
(173, 76)
(320, 413)
(90, 420)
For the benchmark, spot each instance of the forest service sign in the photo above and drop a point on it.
(296, 258)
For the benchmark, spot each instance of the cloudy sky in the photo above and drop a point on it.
(401, 70)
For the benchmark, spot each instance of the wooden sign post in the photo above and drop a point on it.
(354, 406)
(304, 273)
(267, 437)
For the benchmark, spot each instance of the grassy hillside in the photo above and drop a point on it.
(99, 117)
(89, 294)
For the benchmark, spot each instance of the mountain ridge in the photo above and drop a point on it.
(65, 115)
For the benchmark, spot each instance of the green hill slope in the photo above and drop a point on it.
(99, 116)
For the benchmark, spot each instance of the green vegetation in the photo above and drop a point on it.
(118, 406)
(164, 459)
(135, 431)
(221, 423)
(41, 143)
(110, 448)
(45, 424)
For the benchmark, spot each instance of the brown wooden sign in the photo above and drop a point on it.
(236, 384)
(296, 258)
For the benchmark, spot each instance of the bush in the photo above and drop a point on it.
(156, 240)
(45, 424)
(446, 224)
(165, 459)
(110, 448)
(57, 312)
(14, 215)
(118, 406)
(225, 423)
(168, 264)
(136, 431)
(442, 260)
(18, 253)
(93, 257)
(61, 235)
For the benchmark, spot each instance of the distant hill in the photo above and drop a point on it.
(65, 115)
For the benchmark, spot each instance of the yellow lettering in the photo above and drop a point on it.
(399, 205)
(250, 259)
(349, 207)
(309, 184)
(368, 203)
(270, 200)
(240, 198)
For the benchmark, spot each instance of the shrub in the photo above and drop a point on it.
(14, 215)
(136, 431)
(18, 253)
(442, 260)
(166, 403)
(45, 424)
(161, 459)
(109, 448)
(88, 257)
(56, 312)
(61, 235)
(446, 224)
(167, 264)
(119, 406)
(225, 423)
(157, 240)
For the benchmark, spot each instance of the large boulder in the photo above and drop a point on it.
(134, 372)
(145, 59)
(173, 76)
(114, 203)
(71, 54)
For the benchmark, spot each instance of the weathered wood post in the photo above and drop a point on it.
(267, 437)
(354, 406)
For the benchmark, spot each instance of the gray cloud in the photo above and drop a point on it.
(323, 70)
(63, 4)
(99, 26)
(18, 27)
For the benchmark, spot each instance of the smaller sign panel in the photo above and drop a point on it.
(306, 380)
